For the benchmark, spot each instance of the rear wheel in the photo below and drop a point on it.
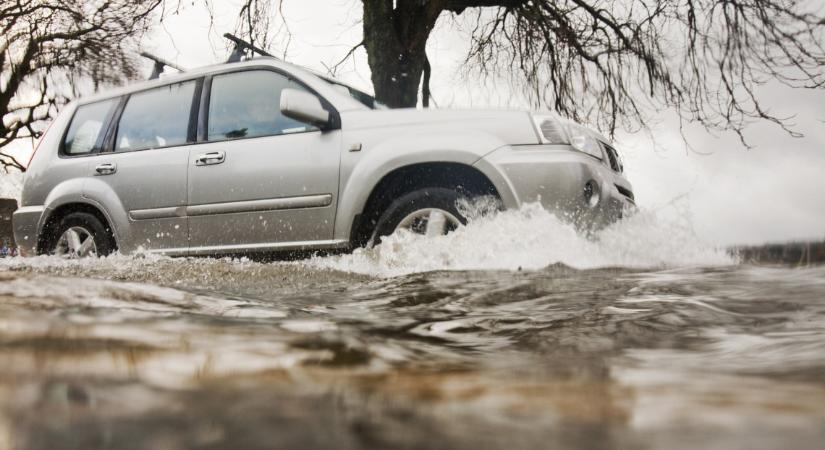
(429, 212)
(81, 235)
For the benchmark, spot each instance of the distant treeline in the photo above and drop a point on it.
(793, 253)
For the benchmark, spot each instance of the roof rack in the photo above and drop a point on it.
(241, 46)
(160, 63)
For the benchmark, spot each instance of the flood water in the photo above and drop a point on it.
(513, 332)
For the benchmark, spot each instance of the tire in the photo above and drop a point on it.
(423, 199)
(99, 232)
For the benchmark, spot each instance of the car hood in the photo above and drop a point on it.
(512, 127)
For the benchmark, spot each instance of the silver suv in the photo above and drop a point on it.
(265, 156)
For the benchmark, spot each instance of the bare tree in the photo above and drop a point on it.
(46, 45)
(608, 62)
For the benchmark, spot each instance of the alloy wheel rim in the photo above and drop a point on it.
(76, 242)
(429, 222)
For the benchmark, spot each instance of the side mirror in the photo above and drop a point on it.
(304, 107)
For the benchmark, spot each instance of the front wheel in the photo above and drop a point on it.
(81, 235)
(429, 212)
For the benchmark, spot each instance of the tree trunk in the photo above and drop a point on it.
(396, 41)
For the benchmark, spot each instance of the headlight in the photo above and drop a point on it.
(553, 131)
(583, 141)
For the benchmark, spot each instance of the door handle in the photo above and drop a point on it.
(205, 159)
(106, 169)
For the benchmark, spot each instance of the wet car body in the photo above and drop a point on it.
(166, 166)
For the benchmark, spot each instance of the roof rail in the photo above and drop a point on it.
(241, 46)
(160, 63)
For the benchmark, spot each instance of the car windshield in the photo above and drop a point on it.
(362, 97)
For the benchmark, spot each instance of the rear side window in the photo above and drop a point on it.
(156, 118)
(248, 104)
(88, 127)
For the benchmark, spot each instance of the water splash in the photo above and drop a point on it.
(532, 238)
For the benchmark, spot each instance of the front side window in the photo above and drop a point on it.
(248, 104)
(87, 129)
(156, 118)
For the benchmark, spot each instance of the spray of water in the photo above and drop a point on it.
(530, 238)
(533, 238)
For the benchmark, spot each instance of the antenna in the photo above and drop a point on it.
(241, 46)
(160, 63)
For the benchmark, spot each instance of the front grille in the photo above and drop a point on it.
(626, 192)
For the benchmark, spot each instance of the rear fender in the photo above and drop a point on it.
(73, 192)
(102, 196)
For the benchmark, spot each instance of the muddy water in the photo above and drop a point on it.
(612, 342)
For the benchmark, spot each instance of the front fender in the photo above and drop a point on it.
(362, 171)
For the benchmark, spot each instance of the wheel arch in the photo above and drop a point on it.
(408, 178)
(54, 215)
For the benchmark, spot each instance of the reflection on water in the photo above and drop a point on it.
(199, 353)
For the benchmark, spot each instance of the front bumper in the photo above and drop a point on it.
(556, 176)
(26, 224)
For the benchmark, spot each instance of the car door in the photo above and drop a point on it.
(145, 166)
(260, 180)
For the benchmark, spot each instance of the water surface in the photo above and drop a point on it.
(637, 338)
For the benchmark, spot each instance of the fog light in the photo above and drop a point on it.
(591, 193)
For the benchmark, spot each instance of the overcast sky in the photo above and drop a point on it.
(734, 195)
